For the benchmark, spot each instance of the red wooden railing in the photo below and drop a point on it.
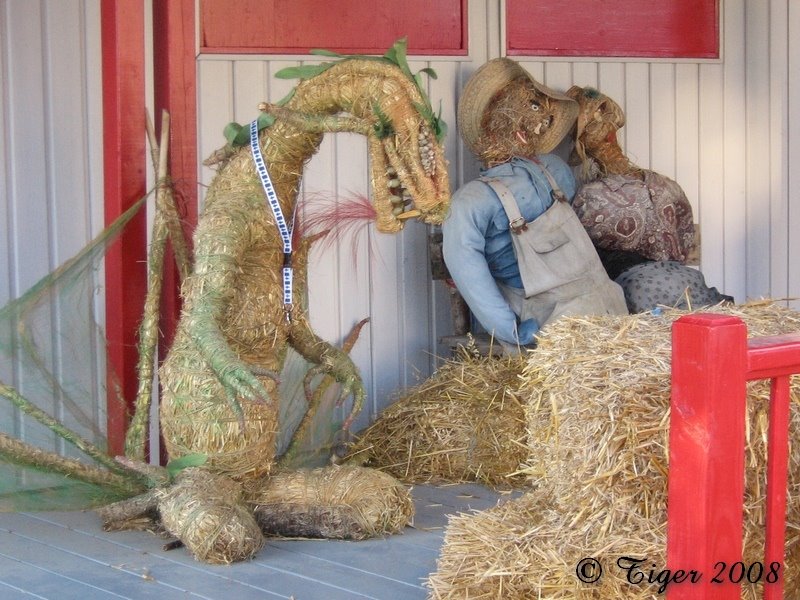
(712, 361)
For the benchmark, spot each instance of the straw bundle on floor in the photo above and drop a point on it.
(340, 502)
(205, 512)
(461, 424)
(597, 392)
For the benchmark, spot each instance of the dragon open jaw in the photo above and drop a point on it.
(409, 180)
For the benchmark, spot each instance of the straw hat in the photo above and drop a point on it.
(490, 79)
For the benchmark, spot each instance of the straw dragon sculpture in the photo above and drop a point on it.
(234, 330)
(219, 382)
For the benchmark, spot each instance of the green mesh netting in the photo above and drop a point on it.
(55, 389)
(53, 378)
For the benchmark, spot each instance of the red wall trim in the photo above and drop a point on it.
(175, 75)
(175, 82)
(122, 23)
(345, 26)
(645, 28)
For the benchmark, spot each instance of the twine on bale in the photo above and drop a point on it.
(597, 392)
(461, 424)
(337, 502)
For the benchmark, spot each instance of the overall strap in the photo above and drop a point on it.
(555, 191)
(516, 221)
(284, 228)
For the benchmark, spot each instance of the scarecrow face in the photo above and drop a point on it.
(515, 122)
(600, 118)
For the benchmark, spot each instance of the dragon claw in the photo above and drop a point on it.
(241, 383)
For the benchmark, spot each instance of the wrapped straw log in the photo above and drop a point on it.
(338, 502)
(204, 511)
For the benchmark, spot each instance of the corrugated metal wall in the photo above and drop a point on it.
(722, 129)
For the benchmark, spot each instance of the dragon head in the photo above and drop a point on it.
(380, 98)
(407, 164)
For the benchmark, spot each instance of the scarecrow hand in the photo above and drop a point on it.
(527, 330)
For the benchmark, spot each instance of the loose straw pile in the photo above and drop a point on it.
(597, 392)
(461, 424)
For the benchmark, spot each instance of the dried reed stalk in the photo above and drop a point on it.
(23, 454)
(136, 435)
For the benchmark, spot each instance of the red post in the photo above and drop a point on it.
(707, 442)
(777, 473)
(174, 72)
(775, 358)
(175, 83)
(124, 155)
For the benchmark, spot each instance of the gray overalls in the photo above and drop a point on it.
(558, 263)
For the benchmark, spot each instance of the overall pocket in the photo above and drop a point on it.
(553, 250)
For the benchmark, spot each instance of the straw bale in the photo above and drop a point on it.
(461, 424)
(597, 391)
(340, 502)
(205, 511)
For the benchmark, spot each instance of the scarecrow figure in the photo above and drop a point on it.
(512, 243)
(639, 220)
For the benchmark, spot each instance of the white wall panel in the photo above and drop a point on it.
(51, 169)
(721, 129)
(735, 146)
(711, 205)
(638, 118)
(757, 190)
(778, 153)
(792, 157)
(663, 123)
(687, 124)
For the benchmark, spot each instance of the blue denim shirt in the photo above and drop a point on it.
(477, 241)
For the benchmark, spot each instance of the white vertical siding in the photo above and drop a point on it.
(790, 160)
(51, 168)
(719, 128)
(722, 129)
